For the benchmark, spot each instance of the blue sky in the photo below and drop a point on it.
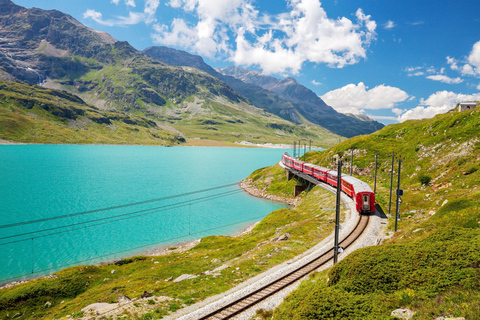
(391, 60)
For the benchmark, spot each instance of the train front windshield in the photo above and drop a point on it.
(366, 202)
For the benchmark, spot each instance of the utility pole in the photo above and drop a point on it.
(399, 194)
(294, 148)
(351, 164)
(375, 180)
(391, 185)
(304, 150)
(337, 209)
(310, 146)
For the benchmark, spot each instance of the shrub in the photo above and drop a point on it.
(471, 170)
(424, 179)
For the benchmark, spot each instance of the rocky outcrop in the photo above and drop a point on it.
(249, 187)
(306, 103)
(403, 314)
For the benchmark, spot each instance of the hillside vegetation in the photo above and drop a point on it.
(432, 264)
(52, 49)
(33, 114)
(239, 258)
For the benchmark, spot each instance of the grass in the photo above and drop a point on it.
(33, 114)
(432, 264)
(246, 255)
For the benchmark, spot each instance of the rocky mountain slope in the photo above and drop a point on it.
(285, 98)
(53, 49)
(307, 103)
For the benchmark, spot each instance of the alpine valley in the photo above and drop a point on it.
(61, 82)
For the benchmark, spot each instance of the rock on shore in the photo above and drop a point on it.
(253, 190)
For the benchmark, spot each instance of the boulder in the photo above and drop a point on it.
(123, 299)
(283, 237)
(100, 308)
(222, 267)
(185, 277)
(48, 304)
(403, 314)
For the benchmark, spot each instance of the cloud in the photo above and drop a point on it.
(439, 102)
(382, 117)
(474, 57)
(468, 66)
(445, 79)
(316, 83)
(276, 43)
(389, 25)
(130, 3)
(147, 16)
(133, 18)
(434, 74)
(356, 98)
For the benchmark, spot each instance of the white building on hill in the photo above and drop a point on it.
(462, 106)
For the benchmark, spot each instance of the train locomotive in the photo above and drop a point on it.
(359, 191)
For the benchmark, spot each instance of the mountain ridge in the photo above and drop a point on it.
(286, 98)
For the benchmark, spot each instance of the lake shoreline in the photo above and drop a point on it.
(190, 143)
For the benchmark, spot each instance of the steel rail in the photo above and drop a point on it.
(241, 304)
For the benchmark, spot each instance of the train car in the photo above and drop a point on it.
(308, 168)
(287, 160)
(298, 165)
(364, 197)
(320, 173)
(359, 191)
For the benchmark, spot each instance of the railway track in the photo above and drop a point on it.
(245, 302)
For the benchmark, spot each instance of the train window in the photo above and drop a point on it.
(366, 202)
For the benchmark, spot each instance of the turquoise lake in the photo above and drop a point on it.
(119, 201)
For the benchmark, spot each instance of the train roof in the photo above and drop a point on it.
(357, 184)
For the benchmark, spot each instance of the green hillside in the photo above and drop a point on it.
(432, 265)
(55, 50)
(33, 114)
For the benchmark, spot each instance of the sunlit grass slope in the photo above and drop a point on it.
(246, 256)
(432, 265)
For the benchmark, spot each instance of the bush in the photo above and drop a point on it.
(424, 179)
(471, 170)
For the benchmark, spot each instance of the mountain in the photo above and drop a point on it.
(30, 113)
(286, 98)
(308, 104)
(50, 48)
(259, 97)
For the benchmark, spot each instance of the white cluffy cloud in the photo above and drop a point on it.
(389, 25)
(356, 98)
(469, 66)
(445, 79)
(432, 74)
(130, 3)
(133, 18)
(439, 102)
(147, 16)
(276, 43)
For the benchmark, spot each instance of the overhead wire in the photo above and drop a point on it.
(16, 224)
(128, 250)
(123, 216)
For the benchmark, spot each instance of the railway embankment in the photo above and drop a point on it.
(372, 235)
(431, 264)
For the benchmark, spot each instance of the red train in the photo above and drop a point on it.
(358, 190)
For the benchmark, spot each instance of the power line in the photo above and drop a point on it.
(123, 216)
(127, 250)
(114, 207)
